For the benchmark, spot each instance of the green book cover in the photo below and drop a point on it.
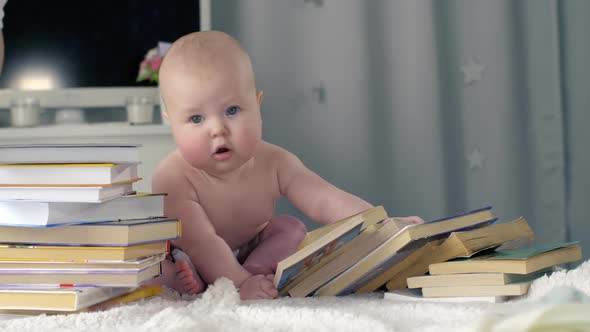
(523, 253)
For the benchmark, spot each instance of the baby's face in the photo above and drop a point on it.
(215, 118)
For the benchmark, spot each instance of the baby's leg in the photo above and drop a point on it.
(277, 241)
(180, 275)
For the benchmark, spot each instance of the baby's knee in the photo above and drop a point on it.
(292, 225)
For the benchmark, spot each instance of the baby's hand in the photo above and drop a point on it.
(404, 220)
(258, 287)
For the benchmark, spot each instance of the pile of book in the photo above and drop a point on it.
(465, 255)
(74, 235)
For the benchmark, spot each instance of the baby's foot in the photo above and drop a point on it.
(180, 277)
(187, 281)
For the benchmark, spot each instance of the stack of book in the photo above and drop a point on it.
(369, 251)
(499, 274)
(73, 232)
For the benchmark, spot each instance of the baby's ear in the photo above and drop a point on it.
(259, 95)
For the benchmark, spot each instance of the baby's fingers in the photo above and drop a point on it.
(411, 219)
(268, 288)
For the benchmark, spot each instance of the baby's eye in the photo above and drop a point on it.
(196, 118)
(233, 110)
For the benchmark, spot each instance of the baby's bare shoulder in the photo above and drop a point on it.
(170, 176)
(275, 153)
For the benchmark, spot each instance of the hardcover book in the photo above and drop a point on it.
(24, 252)
(351, 253)
(312, 252)
(29, 213)
(415, 295)
(131, 277)
(61, 299)
(472, 279)
(53, 267)
(517, 261)
(66, 174)
(83, 194)
(458, 244)
(66, 300)
(109, 233)
(514, 289)
(69, 153)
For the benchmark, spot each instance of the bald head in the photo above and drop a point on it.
(204, 53)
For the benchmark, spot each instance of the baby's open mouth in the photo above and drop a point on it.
(222, 153)
(221, 150)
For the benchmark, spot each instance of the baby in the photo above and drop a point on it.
(223, 180)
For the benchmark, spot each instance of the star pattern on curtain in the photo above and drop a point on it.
(472, 71)
(476, 159)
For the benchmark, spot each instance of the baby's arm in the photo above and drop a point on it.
(315, 197)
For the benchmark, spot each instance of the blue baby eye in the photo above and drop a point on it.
(196, 118)
(232, 110)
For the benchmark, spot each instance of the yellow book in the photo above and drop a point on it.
(113, 233)
(514, 289)
(325, 244)
(67, 300)
(458, 244)
(371, 217)
(25, 266)
(312, 269)
(395, 249)
(517, 261)
(141, 293)
(472, 279)
(12, 252)
(355, 250)
(410, 265)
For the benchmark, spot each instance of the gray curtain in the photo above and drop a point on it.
(431, 107)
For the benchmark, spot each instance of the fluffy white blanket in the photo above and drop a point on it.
(219, 309)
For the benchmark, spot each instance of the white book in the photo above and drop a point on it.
(31, 213)
(103, 278)
(415, 295)
(66, 174)
(95, 194)
(69, 153)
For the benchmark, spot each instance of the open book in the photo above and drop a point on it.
(320, 244)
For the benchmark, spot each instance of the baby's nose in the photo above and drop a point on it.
(218, 128)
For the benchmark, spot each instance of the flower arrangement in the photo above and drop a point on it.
(150, 66)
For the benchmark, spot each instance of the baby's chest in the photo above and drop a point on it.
(250, 203)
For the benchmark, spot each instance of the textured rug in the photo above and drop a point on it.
(219, 309)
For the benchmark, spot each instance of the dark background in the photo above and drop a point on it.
(93, 43)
